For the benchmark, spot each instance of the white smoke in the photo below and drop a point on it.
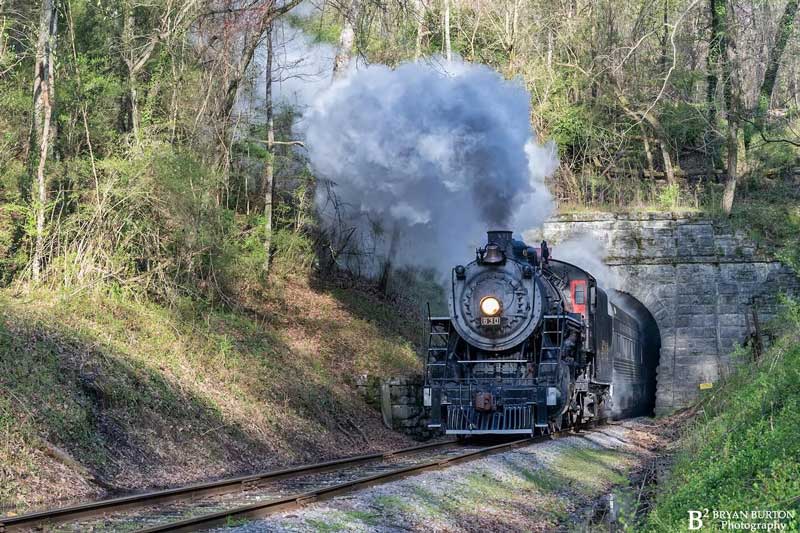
(588, 253)
(308, 8)
(432, 156)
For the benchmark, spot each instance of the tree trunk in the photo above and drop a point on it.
(346, 40)
(647, 152)
(665, 38)
(712, 64)
(84, 112)
(782, 33)
(654, 124)
(512, 37)
(733, 170)
(128, 54)
(269, 167)
(3, 22)
(386, 273)
(669, 171)
(727, 52)
(448, 51)
(42, 114)
(419, 12)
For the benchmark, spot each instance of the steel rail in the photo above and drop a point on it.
(113, 505)
(261, 509)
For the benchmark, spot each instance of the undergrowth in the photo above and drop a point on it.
(743, 451)
(769, 211)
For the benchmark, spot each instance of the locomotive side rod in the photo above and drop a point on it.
(115, 505)
(261, 509)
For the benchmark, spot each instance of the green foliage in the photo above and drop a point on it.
(769, 210)
(13, 258)
(776, 157)
(324, 29)
(743, 453)
(669, 197)
(684, 123)
(572, 128)
(294, 252)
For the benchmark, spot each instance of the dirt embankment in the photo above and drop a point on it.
(101, 393)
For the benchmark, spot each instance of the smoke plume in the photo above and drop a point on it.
(589, 253)
(433, 156)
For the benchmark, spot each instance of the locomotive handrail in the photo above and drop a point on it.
(478, 381)
(494, 361)
(565, 317)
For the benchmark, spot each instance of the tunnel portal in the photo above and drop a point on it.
(706, 287)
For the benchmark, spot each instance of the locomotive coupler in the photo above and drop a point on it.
(484, 402)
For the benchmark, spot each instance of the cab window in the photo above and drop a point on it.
(580, 296)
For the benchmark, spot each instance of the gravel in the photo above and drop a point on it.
(555, 485)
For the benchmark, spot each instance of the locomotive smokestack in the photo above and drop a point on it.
(501, 238)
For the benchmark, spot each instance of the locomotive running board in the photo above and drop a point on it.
(489, 432)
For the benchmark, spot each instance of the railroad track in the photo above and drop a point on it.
(106, 508)
(205, 505)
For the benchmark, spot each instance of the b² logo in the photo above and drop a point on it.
(695, 520)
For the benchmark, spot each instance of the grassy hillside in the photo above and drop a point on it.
(743, 451)
(100, 391)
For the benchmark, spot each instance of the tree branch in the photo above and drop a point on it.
(764, 136)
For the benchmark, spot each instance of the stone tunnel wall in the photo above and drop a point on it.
(700, 281)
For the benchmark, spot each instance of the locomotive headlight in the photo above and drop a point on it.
(490, 306)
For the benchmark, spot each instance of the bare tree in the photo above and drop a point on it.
(266, 12)
(712, 68)
(419, 12)
(346, 39)
(655, 124)
(448, 51)
(268, 187)
(43, 95)
(737, 139)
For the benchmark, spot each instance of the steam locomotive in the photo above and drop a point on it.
(532, 344)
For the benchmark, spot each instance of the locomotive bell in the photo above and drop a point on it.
(493, 255)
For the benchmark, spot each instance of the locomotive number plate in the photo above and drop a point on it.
(490, 321)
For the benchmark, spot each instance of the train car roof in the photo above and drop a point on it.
(572, 267)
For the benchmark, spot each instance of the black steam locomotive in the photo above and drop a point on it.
(531, 345)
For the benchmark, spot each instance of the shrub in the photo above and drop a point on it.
(670, 196)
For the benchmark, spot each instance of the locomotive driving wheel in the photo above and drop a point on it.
(554, 426)
(571, 418)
